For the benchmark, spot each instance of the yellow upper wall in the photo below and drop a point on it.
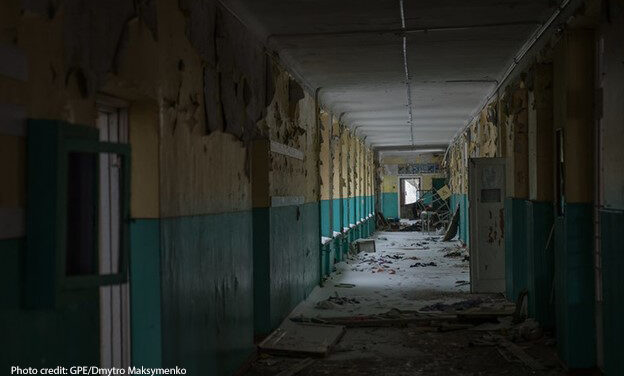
(337, 155)
(144, 140)
(480, 140)
(389, 184)
(179, 168)
(325, 162)
(198, 171)
(390, 176)
(291, 176)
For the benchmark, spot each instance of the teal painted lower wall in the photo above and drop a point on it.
(612, 228)
(207, 292)
(326, 220)
(516, 255)
(574, 286)
(65, 336)
(192, 290)
(347, 211)
(461, 200)
(540, 266)
(294, 255)
(336, 250)
(287, 260)
(69, 334)
(326, 253)
(352, 209)
(12, 252)
(145, 293)
(337, 215)
(261, 228)
(390, 205)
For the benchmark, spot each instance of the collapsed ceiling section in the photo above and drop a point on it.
(352, 53)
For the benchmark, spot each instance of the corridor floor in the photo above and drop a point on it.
(409, 271)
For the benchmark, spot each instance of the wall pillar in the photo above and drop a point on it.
(574, 272)
(517, 191)
(611, 187)
(539, 209)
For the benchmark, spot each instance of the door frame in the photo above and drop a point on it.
(472, 220)
(115, 300)
(400, 179)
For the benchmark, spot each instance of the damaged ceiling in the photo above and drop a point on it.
(351, 52)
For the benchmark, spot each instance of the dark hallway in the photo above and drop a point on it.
(311, 187)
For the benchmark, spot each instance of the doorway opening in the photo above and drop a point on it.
(409, 195)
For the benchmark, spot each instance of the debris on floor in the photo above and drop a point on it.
(302, 339)
(365, 245)
(451, 231)
(345, 285)
(334, 300)
(413, 321)
(458, 306)
(416, 226)
(393, 317)
(519, 353)
(423, 264)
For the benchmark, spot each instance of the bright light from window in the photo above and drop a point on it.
(411, 191)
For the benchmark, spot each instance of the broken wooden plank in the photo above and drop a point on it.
(506, 356)
(381, 320)
(302, 339)
(527, 359)
(483, 314)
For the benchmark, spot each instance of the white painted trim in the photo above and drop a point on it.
(277, 201)
(286, 150)
(13, 62)
(12, 223)
(12, 120)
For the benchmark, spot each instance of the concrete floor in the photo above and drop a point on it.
(385, 280)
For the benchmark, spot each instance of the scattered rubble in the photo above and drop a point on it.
(458, 306)
(423, 264)
(453, 254)
(458, 334)
(344, 285)
(334, 300)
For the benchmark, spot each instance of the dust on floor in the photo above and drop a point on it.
(399, 275)
(410, 271)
